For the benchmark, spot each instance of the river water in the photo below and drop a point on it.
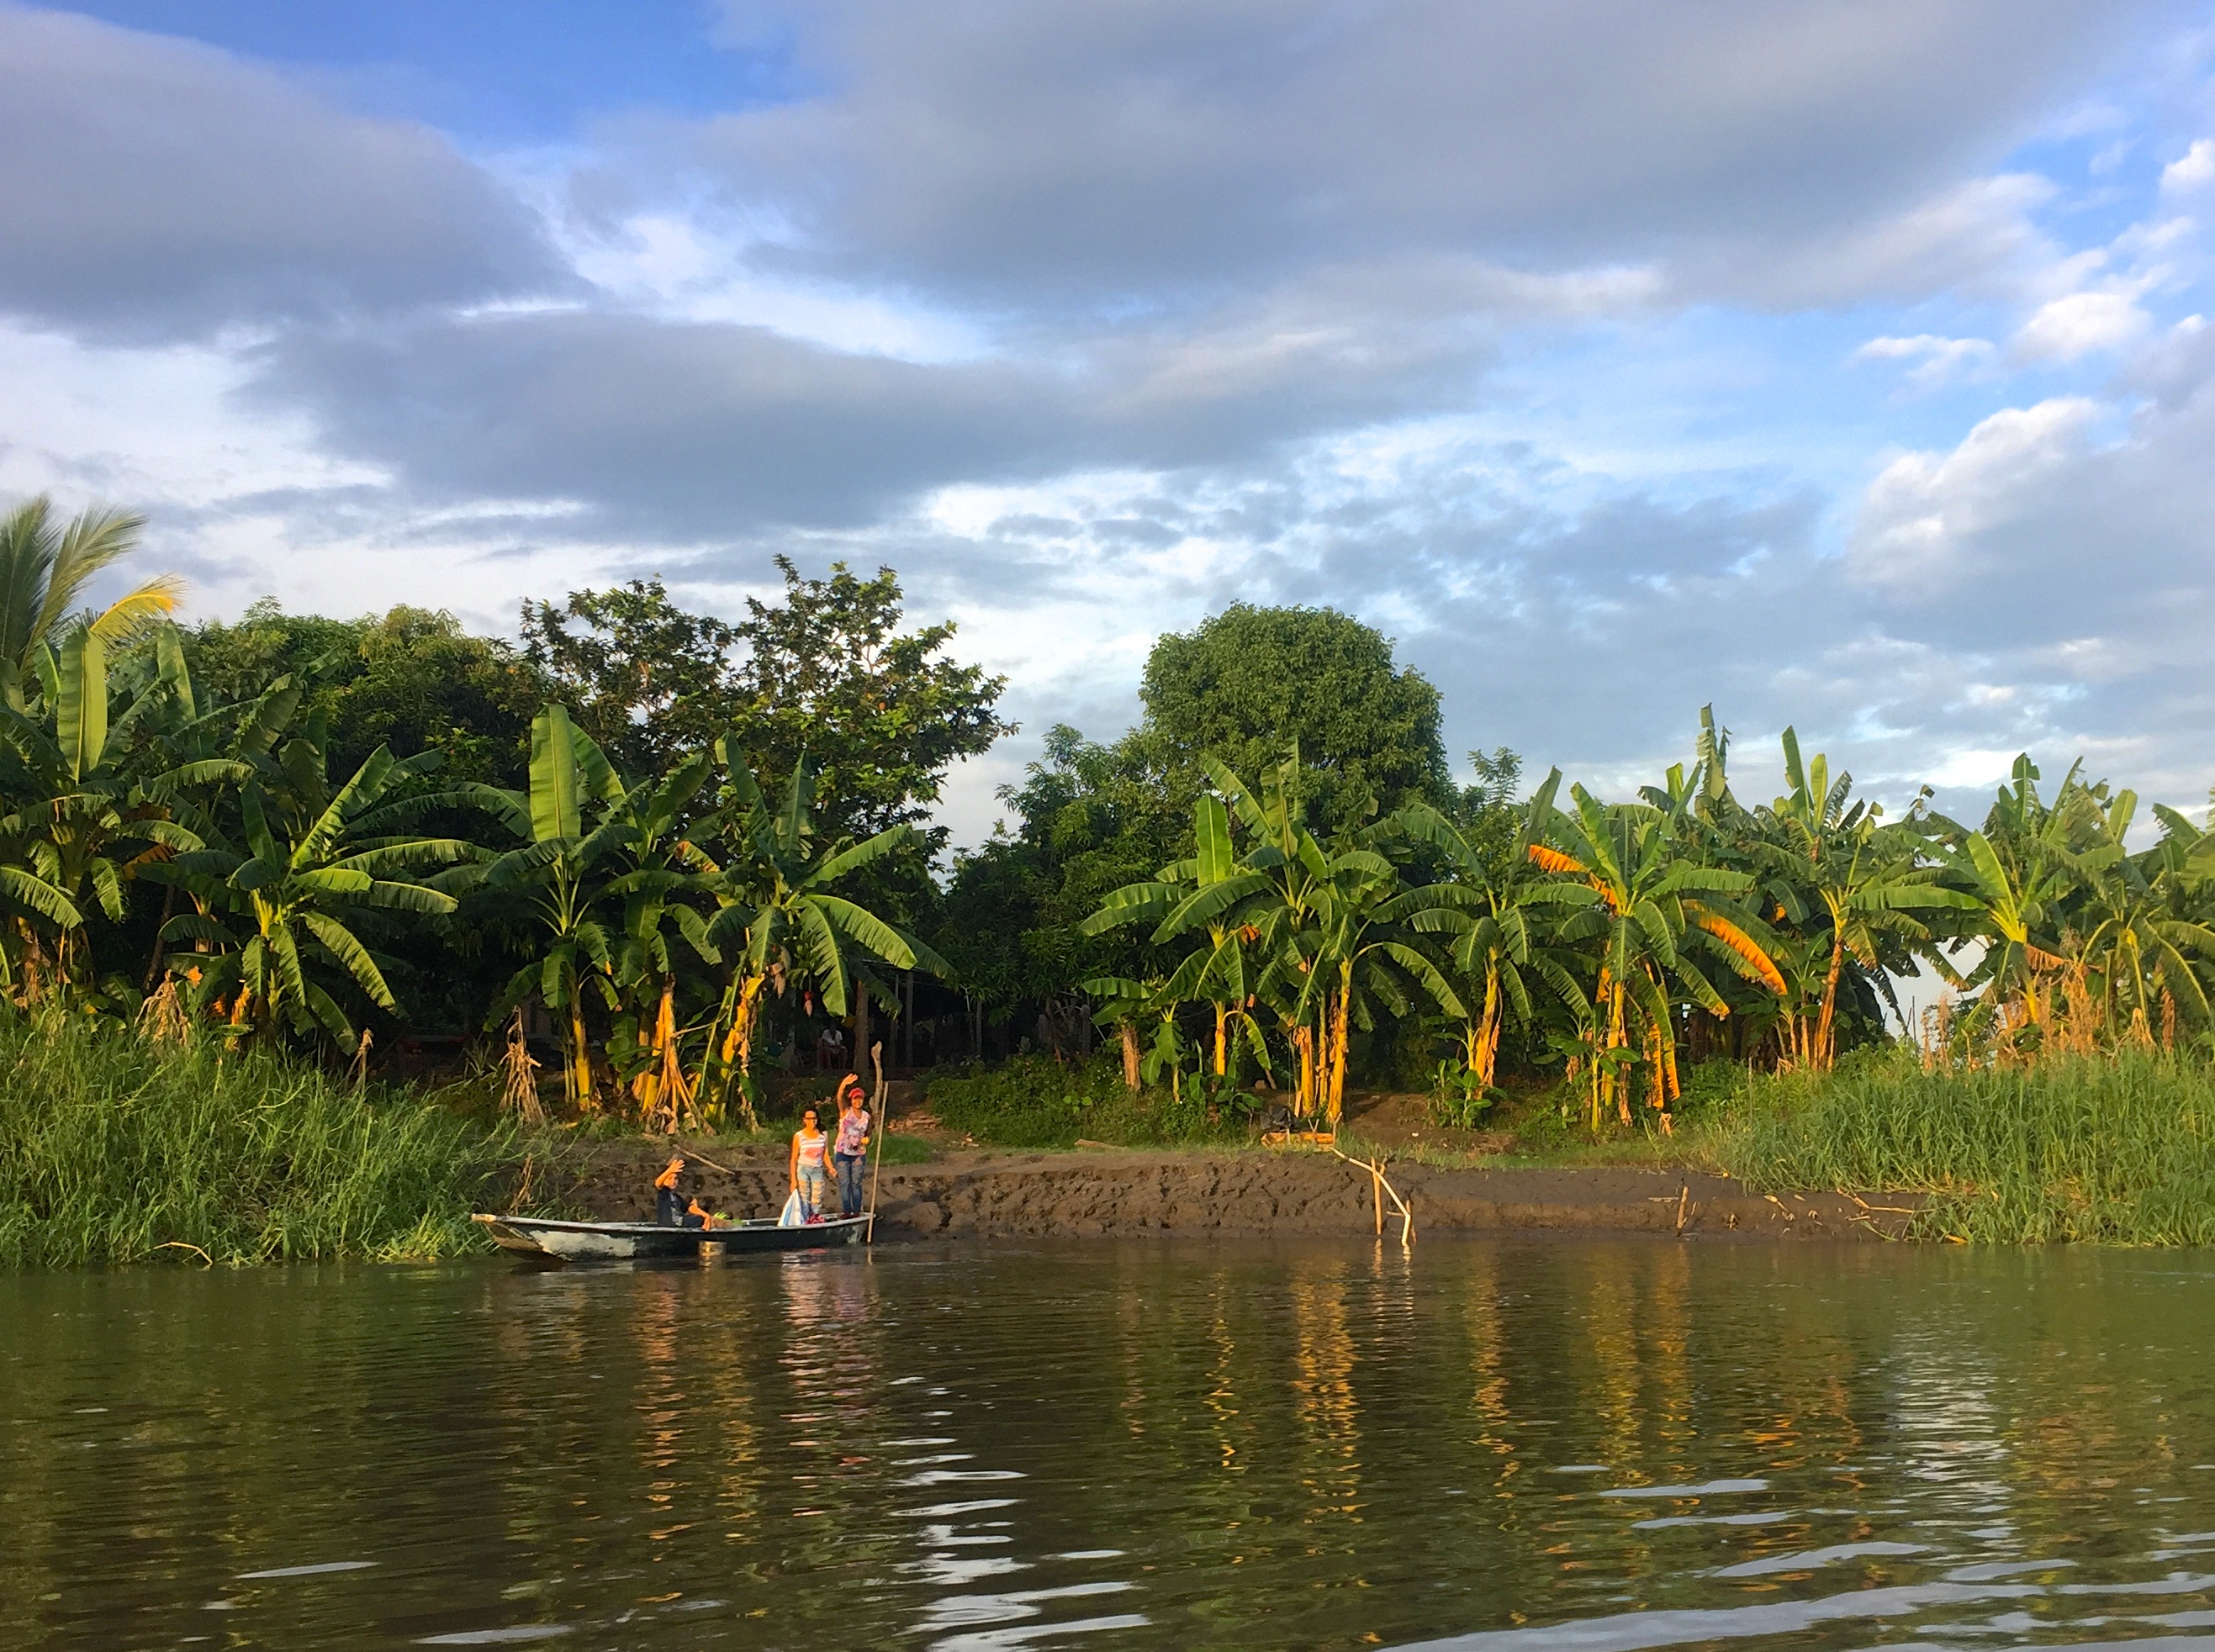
(1499, 1445)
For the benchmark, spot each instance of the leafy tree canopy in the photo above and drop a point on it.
(1250, 682)
(828, 672)
(1090, 818)
(411, 679)
(1243, 686)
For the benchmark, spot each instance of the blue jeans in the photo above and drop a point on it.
(850, 1182)
(812, 1186)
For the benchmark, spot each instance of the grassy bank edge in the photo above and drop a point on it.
(114, 1150)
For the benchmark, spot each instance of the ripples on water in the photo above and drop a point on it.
(1491, 1446)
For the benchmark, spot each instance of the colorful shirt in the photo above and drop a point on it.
(853, 1131)
(810, 1150)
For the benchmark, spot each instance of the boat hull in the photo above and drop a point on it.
(614, 1241)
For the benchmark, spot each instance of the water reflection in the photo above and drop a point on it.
(1505, 1448)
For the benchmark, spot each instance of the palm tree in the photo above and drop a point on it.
(44, 568)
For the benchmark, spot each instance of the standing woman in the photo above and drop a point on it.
(810, 1178)
(851, 1150)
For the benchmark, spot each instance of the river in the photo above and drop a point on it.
(1502, 1445)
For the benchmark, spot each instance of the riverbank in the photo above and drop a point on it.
(1253, 1193)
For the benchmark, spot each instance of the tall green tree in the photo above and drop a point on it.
(1250, 682)
(878, 710)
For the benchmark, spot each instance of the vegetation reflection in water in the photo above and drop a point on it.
(1574, 1444)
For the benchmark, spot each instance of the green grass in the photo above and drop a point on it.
(112, 1152)
(1032, 1101)
(2110, 1150)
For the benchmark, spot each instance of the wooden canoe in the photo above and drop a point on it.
(589, 1241)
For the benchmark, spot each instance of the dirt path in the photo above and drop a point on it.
(1253, 1193)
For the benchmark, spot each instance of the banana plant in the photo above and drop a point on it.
(2019, 873)
(573, 824)
(1655, 906)
(1219, 971)
(83, 817)
(1501, 938)
(286, 910)
(2139, 940)
(662, 890)
(1823, 855)
(780, 920)
(1331, 922)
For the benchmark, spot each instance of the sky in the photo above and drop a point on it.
(1844, 364)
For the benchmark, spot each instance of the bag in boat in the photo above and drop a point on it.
(795, 1213)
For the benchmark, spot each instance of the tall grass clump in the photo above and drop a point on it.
(1034, 1101)
(114, 1149)
(2113, 1149)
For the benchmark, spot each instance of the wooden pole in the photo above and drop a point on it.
(1376, 1188)
(879, 1124)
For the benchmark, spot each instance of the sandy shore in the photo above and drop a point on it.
(1252, 1194)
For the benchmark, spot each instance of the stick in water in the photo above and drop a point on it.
(1376, 1169)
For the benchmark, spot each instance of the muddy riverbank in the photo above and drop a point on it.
(1250, 1194)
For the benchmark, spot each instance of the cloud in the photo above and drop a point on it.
(2070, 326)
(1520, 331)
(2075, 538)
(156, 188)
(1978, 234)
(1937, 360)
(717, 428)
(2195, 167)
(1110, 147)
(1923, 516)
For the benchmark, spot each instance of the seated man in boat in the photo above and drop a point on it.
(673, 1209)
(669, 1203)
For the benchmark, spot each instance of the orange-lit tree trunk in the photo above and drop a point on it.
(1337, 1011)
